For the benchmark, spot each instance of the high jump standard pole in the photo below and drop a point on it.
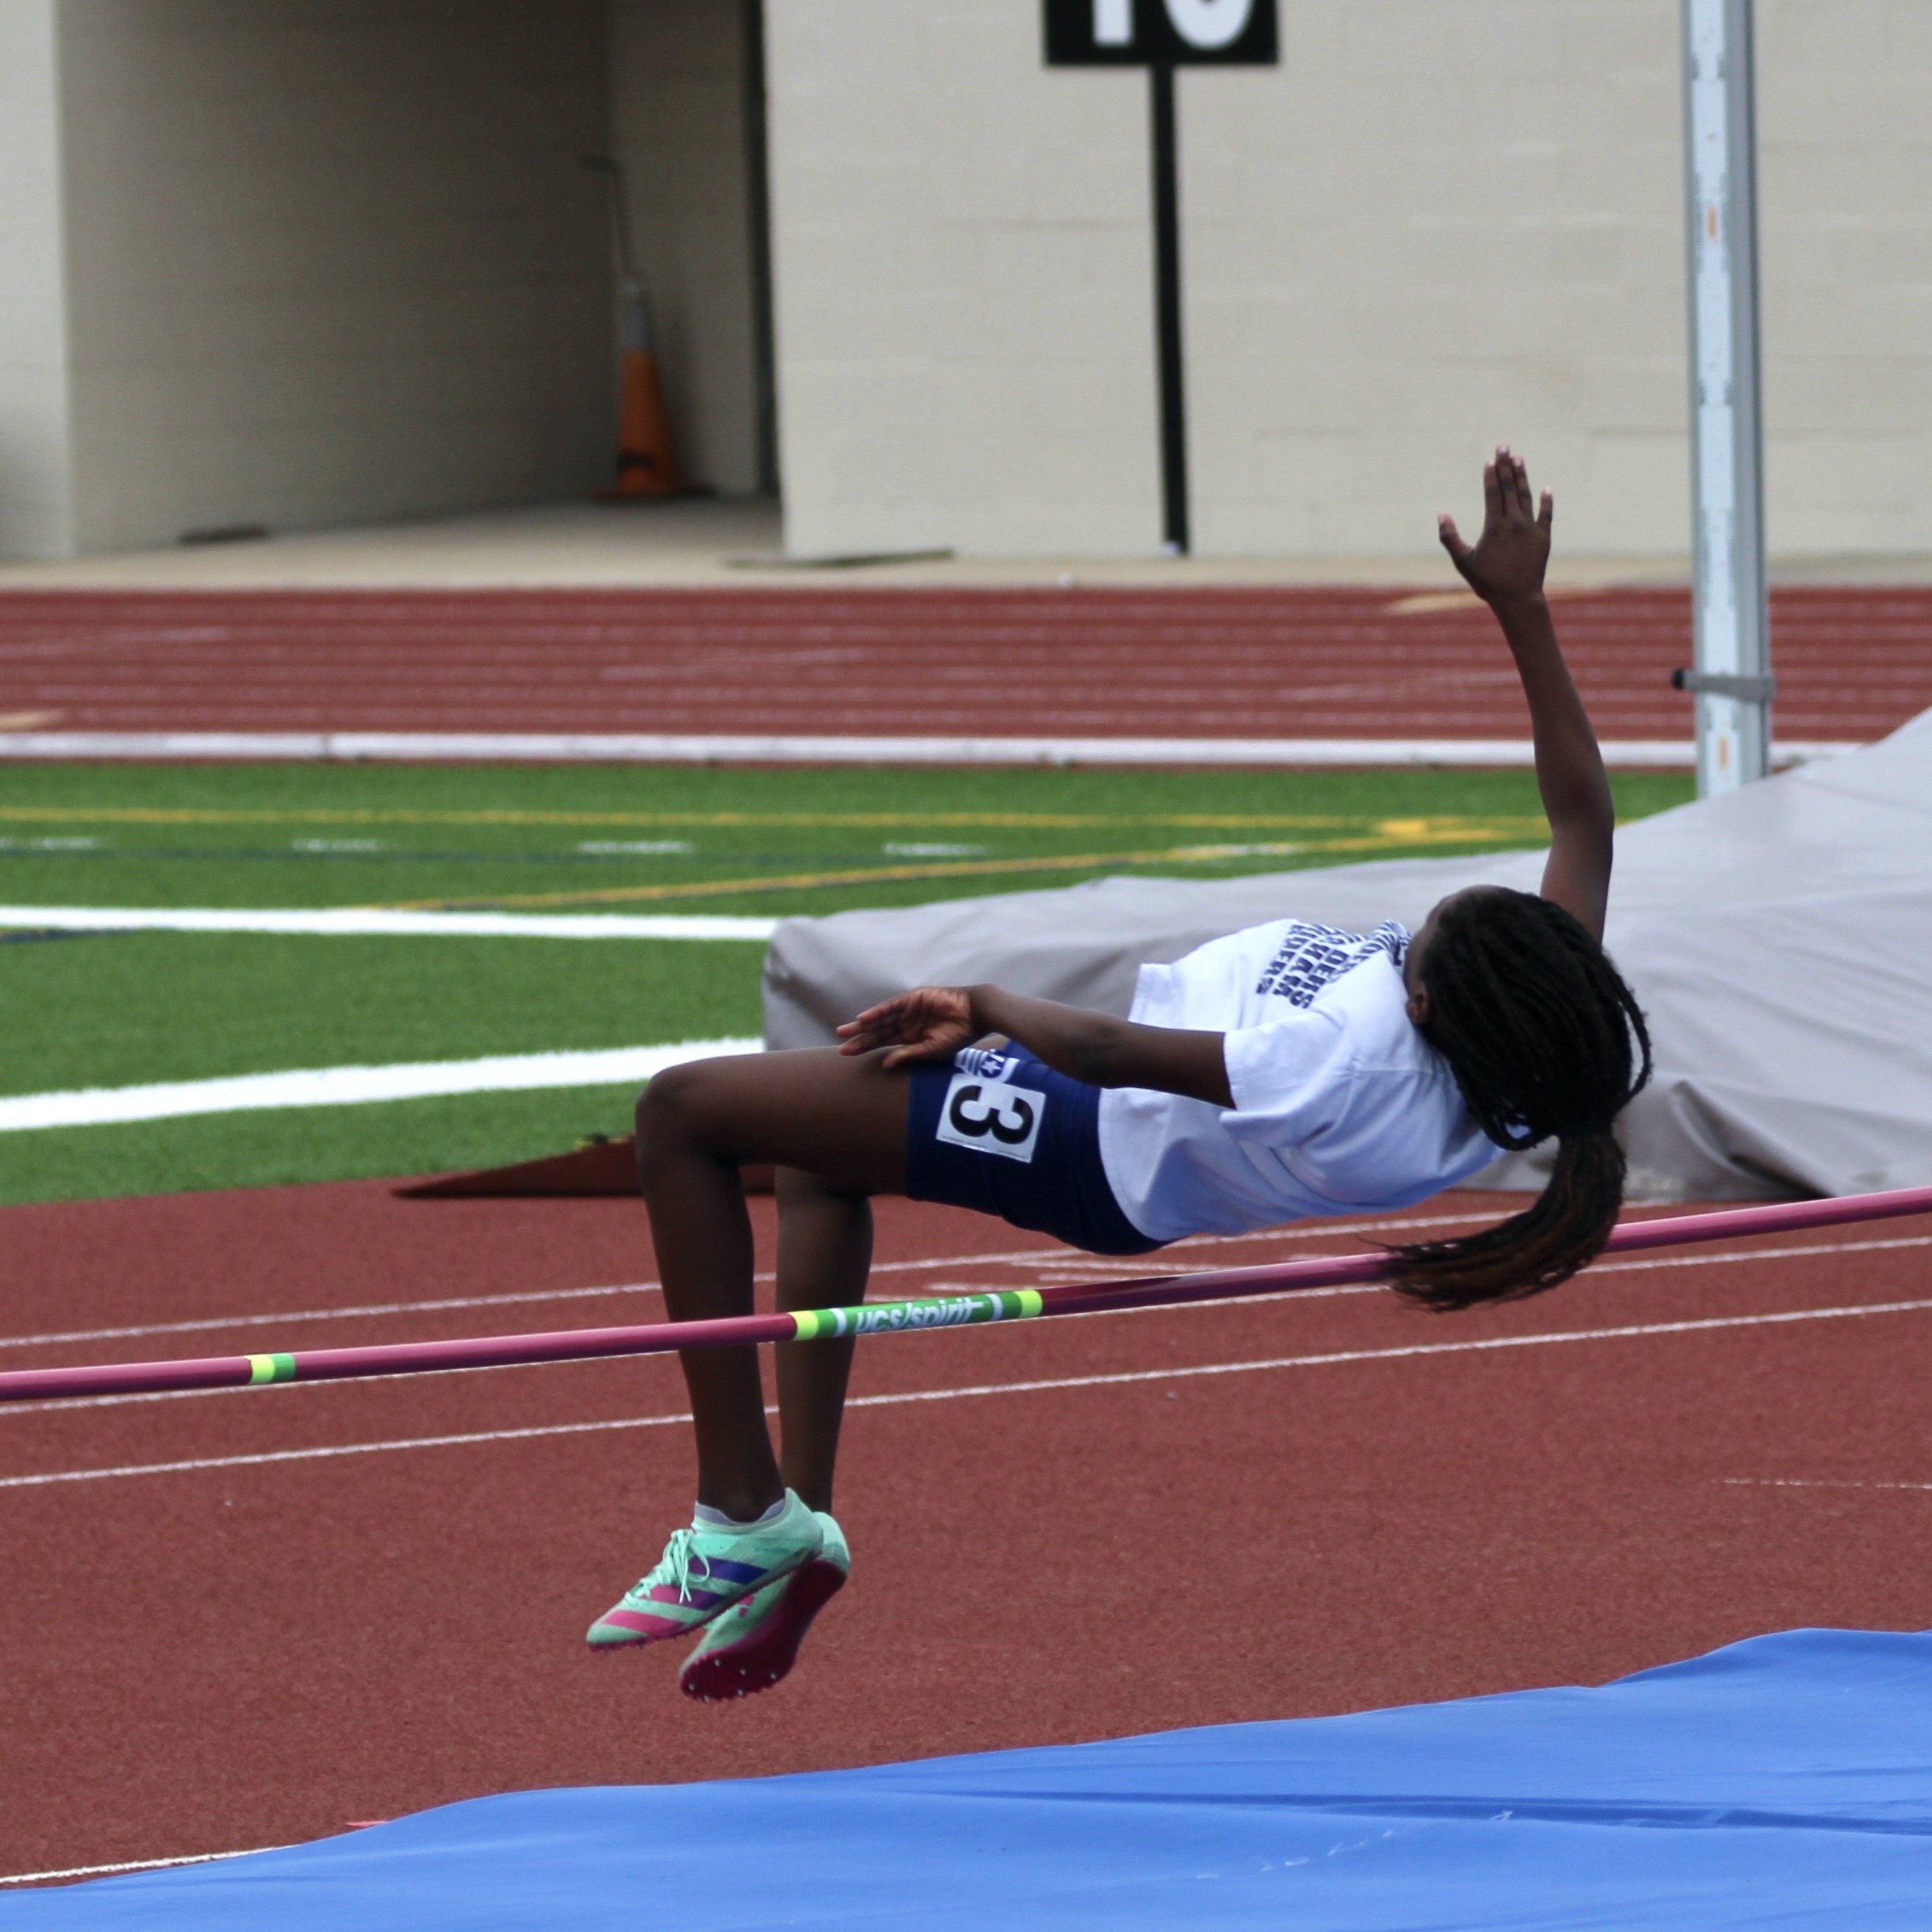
(1731, 680)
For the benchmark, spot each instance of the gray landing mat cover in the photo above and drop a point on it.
(1780, 939)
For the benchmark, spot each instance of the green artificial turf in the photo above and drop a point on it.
(722, 839)
(120, 1009)
(124, 1009)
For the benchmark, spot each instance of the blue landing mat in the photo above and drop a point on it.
(1785, 1782)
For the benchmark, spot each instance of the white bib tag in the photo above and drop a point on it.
(992, 1117)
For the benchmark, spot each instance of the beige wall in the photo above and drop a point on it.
(677, 124)
(1845, 110)
(331, 260)
(961, 271)
(302, 262)
(36, 503)
(1430, 228)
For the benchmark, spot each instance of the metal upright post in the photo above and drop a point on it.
(1731, 679)
(1164, 150)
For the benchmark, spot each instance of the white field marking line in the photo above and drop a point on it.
(1017, 1257)
(1076, 1267)
(58, 1403)
(137, 1865)
(944, 1287)
(344, 1449)
(1484, 1345)
(680, 748)
(355, 1086)
(1809, 1483)
(1809, 1249)
(1073, 1258)
(1763, 1254)
(357, 921)
(934, 1289)
(323, 1315)
(937, 1288)
(337, 1382)
(128, 1331)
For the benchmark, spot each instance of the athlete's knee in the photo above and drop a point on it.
(671, 1111)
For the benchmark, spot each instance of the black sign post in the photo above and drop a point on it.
(1161, 35)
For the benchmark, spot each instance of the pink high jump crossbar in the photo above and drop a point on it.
(657, 1338)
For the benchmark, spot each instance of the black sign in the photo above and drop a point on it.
(1162, 33)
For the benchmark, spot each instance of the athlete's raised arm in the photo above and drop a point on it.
(931, 1022)
(1505, 569)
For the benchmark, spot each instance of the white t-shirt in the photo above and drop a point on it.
(1340, 1104)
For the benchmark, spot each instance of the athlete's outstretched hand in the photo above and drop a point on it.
(926, 1024)
(1508, 562)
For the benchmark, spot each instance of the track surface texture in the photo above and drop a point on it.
(1853, 663)
(213, 1658)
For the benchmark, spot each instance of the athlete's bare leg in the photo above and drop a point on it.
(835, 1121)
(825, 1253)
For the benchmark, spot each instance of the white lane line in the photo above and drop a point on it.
(355, 1086)
(1077, 1267)
(681, 748)
(1809, 1483)
(339, 1449)
(962, 1287)
(1485, 1344)
(135, 1865)
(57, 1404)
(1810, 1249)
(373, 923)
(1015, 1258)
(931, 1287)
(323, 1315)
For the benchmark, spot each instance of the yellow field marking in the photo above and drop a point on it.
(885, 821)
(1205, 821)
(793, 881)
(962, 869)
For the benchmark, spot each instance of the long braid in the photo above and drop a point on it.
(1544, 1039)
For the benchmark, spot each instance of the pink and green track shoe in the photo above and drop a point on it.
(703, 1573)
(753, 1645)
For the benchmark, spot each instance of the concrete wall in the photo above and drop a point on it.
(309, 262)
(962, 273)
(36, 500)
(1845, 115)
(331, 260)
(1430, 228)
(677, 124)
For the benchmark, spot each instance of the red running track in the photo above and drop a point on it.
(1284, 662)
(1233, 1511)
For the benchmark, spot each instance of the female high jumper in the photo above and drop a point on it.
(1285, 1071)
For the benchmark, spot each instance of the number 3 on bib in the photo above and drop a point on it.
(991, 1117)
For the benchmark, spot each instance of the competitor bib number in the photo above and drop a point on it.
(992, 1117)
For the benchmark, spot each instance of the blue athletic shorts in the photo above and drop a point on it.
(1002, 1132)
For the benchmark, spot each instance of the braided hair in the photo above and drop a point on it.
(1544, 1038)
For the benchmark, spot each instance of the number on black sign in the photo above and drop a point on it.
(1209, 23)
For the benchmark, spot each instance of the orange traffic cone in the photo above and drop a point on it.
(645, 467)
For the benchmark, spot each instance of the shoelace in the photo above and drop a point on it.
(676, 1565)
